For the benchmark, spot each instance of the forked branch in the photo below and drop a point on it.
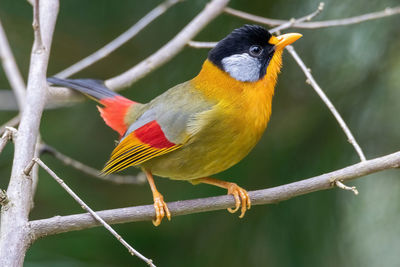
(119, 41)
(315, 24)
(84, 206)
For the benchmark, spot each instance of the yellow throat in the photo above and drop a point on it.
(249, 102)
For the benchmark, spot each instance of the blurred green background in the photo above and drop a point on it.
(358, 66)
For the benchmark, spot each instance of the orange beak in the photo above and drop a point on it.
(286, 39)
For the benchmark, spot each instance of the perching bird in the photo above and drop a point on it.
(200, 127)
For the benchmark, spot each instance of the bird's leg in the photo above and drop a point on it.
(241, 196)
(159, 205)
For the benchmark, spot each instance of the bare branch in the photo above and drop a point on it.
(35, 172)
(157, 59)
(328, 103)
(255, 18)
(38, 46)
(11, 123)
(114, 178)
(286, 25)
(14, 234)
(316, 24)
(196, 44)
(293, 21)
(84, 206)
(119, 41)
(173, 47)
(345, 187)
(9, 134)
(11, 69)
(61, 224)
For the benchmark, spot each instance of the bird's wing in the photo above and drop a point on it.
(140, 145)
(165, 125)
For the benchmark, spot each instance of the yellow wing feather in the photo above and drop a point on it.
(131, 151)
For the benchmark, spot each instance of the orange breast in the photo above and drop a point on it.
(247, 103)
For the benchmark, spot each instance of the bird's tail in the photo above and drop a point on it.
(93, 88)
(115, 105)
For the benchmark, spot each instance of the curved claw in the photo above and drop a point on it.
(161, 209)
(242, 199)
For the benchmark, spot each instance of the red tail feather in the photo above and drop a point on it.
(114, 111)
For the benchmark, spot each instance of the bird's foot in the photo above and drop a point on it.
(161, 209)
(242, 199)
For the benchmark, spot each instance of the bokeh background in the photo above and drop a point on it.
(358, 66)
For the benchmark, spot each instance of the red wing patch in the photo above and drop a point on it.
(144, 143)
(152, 135)
(114, 111)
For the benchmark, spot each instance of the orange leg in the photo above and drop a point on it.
(241, 196)
(159, 205)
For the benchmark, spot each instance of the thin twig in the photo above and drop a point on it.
(11, 69)
(115, 178)
(61, 224)
(328, 103)
(196, 44)
(345, 187)
(9, 134)
(293, 21)
(131, 250)
(173, 47)
(11, 123)
(315, 24)
(119, 41)
(35, 171)
(157, 59)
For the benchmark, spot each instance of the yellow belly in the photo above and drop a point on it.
(213, 150)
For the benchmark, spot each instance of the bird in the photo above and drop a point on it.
(200, 127)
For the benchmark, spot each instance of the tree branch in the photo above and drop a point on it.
(119, 41)
(9, 134)
(173, 47)
(61, 224)
(114, 178)
(14, 234)
(84, 206)
(328, 103)
(157, 59)
(288, 24)
(11, 69)
(11, 123)
(315, 24)
(38, 45)
(293, 21)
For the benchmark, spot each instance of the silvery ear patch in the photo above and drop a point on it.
(242, 67)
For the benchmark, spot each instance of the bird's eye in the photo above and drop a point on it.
(255, 50)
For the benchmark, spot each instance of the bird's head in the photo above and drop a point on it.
(250, 52)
